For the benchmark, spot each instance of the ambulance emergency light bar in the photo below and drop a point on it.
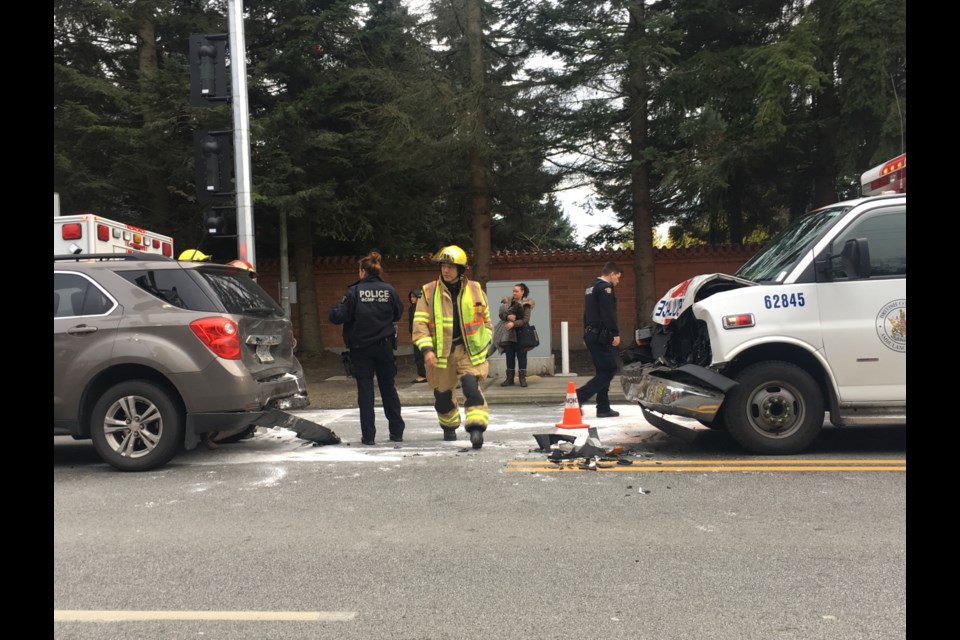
(889, 177)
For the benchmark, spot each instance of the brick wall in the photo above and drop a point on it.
(569, 273)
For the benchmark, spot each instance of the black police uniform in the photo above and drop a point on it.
(368, 313)
(600, 327)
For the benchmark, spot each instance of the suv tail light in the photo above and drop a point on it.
(220, 335)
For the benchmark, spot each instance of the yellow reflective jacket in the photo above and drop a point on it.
(475, 325)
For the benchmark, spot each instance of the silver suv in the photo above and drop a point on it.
(150, 354)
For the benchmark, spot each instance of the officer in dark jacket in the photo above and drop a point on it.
(602, 336)
(369, 312)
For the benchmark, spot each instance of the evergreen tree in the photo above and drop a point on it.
(123, 127)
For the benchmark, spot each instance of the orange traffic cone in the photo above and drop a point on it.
(571, 410)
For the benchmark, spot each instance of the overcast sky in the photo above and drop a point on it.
(573, 205)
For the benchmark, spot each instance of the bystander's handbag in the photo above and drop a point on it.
(527, 337)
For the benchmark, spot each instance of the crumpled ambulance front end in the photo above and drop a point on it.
(680, 381)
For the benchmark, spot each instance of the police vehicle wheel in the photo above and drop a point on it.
(777, 408)
(136, 426)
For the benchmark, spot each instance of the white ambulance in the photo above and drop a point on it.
(812, 328)
(87, 233)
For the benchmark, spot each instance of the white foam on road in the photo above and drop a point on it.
(510, 427)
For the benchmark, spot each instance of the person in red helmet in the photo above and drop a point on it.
(246, 266)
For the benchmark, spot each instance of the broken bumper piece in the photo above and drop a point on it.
(689, 390)
(670, 428)
(200, 423)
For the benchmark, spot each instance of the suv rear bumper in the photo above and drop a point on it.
(227, 387)
(273, 416)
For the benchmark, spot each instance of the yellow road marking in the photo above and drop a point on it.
(648, 466)
(79, 615)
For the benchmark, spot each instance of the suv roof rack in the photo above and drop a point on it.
(136, 257)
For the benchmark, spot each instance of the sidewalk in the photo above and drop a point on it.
(340, 392)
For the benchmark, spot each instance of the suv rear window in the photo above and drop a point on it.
(239, 293)
(171, 285)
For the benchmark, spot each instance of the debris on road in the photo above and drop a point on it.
(305, 430)
(562, 447)
(546, 440)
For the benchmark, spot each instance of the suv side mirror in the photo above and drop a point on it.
(855, 258)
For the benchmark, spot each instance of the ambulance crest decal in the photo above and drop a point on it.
(892, 325)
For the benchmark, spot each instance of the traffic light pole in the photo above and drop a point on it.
(246, 248)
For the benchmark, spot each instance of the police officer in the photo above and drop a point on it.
(369, 312)
(602, 336)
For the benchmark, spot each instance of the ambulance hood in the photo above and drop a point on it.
(681, 297)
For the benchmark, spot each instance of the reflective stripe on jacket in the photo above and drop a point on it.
(475, 325)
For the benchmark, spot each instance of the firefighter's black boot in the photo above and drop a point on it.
(449, 434)
(508, 381)
(523, 377)
(476, 437)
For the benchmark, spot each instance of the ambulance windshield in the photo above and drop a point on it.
(775, 259)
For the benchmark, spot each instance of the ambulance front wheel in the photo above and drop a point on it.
(776, 409)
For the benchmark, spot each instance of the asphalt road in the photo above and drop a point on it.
(272, 537)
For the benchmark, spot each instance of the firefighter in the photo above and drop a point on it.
(246, 266)
(452, 328)
(193, 254)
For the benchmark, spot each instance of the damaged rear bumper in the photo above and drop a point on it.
(689, 390)
(276, 416)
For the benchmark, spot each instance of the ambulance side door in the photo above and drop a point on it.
(864, 314)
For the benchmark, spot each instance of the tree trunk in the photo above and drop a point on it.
(733, 206)
(479, 190)
(147, 64)
(308, 337)
(638, 93)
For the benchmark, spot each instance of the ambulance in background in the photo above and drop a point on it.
(886, 178)
(87, 233)
(811, 329)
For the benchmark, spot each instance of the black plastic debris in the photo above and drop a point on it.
(562, 447)
(591, 449)
(546, 440)
(564, 451)
(305, 430)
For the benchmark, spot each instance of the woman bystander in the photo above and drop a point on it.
(515, 312)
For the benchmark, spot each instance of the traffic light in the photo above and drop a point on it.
(213, 155)
(208, 69)
(215, 222)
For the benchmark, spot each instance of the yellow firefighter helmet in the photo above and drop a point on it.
(193, 254)
(451, 254)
